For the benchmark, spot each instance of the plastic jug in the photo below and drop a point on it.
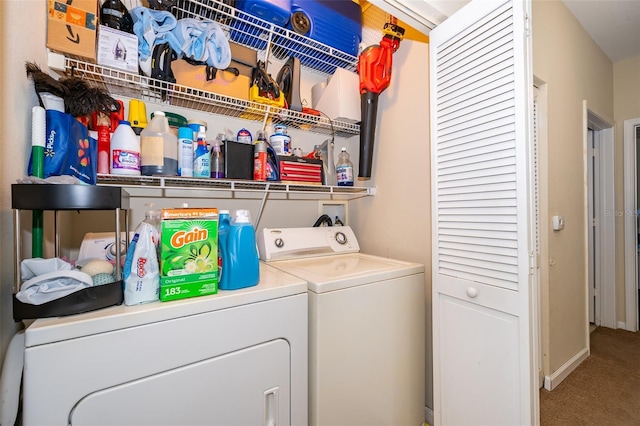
(125, 151)
(224, 224)
(344, 169)
(158, 148)
(241, 267)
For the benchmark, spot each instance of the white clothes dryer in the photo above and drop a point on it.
(366, 326)
(234, 358)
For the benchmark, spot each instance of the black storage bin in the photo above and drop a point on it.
(238, 160)
(67, 197)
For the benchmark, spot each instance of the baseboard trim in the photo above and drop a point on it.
(623, 325)
(550, 382)
(428, 415)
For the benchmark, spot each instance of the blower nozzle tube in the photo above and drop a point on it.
(369, 109)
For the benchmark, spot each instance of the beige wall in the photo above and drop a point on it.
(396, 223)
(626, 89)
(16, 47)
(574, 69)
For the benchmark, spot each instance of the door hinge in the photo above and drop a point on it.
(527, 25)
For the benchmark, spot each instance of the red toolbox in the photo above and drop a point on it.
(298, 169)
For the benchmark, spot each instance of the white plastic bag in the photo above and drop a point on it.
(141, 269)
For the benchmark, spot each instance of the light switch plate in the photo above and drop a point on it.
(558, 223)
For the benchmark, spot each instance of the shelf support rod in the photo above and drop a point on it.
(266, 117)
(262, 204)
(18, 251)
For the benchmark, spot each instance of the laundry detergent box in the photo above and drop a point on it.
(188, 253)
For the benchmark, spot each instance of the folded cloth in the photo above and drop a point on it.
(30, 268)
(203, 41)
(53, 285)
(152, 27)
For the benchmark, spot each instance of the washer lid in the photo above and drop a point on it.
(274, 284)
(330, 273)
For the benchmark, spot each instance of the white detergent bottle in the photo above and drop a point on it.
(125, 151)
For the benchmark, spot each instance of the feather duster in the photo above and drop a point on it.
(79, 97)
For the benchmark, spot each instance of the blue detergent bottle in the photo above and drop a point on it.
(224, 224)
(241, 266)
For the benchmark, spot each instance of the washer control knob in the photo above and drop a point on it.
(279, 242)
(341, 238)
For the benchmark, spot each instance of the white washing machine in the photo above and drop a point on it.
(234, 358)
(366, 327)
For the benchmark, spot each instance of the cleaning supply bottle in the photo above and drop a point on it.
(260, 158)
(344, 169)
(158, 148)
(201, 159)
(280, 140)
(104, 142)
(242, 265)
(125, 151)
(185, 152)
(224, 224)
(137, 115)
(217, 158)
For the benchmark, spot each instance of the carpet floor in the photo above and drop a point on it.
(603, 390)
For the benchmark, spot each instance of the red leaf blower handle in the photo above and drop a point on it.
(374, 70)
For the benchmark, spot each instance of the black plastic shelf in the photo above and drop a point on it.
(67, 197)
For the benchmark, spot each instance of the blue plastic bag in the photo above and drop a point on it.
(68, 149)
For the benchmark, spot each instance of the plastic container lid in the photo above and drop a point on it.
(198, 122)
(175, 120)
(243, 216)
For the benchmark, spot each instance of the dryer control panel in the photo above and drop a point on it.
(295, 243)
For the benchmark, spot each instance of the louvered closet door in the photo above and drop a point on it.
(481, 121)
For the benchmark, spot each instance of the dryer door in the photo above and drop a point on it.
(249, 386)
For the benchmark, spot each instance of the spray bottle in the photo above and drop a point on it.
(217, 158)
(260, 157)
(201, 158)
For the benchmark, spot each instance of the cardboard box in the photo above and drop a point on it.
(117, 49)
(243, 58)
(188, 253)
(71, 27)
(225, 83)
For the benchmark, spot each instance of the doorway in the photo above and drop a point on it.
(600, 221)
(631, 242)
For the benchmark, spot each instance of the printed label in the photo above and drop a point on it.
(125, 160)
(152, 150)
